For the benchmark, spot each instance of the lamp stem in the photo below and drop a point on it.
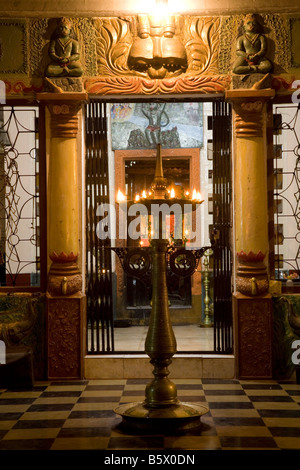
(160, 342)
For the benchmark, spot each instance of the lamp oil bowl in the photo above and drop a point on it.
(161, 409)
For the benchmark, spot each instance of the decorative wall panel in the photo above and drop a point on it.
(254, 348)
(140, 55)
(13, 37)
(64, 328)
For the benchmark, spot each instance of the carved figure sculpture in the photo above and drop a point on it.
(64, 52)
(157, 50)
(251, 49)
(154, 112)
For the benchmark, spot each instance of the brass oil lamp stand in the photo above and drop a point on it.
(207, 321)
(161, 408)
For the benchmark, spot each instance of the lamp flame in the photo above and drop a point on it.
(120, 196)
(196, 195)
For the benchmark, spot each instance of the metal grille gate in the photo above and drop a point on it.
(222, 224)
(99, 274)
(286, 193)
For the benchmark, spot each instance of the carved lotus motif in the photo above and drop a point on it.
(250, 256)
(63, 257)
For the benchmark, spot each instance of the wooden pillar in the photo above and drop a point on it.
(252, 302)
(65, 299)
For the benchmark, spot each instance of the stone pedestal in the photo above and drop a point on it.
(251, 80)
(66, 325)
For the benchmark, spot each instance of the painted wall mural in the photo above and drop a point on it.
(144, 125)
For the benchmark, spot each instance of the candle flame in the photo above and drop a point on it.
(196, 195)
(144, 194)
(172, 193)
(120, 196)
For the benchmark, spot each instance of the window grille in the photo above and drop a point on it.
(19, 197)
(286, 152)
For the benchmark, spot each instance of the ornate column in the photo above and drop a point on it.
(252, 303)
(65, 299)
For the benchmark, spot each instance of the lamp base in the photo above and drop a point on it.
(207, 323)
(176, 418)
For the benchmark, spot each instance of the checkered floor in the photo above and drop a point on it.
(248, 415)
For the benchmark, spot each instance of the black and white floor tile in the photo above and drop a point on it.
(79, 415)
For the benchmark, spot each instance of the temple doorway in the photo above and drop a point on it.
(121, 141)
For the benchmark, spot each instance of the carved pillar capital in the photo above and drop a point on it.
(64, 277)
(251, 274)
(248, 106)
(63, 108)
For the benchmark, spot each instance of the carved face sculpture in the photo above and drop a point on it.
(64, 28)
(157, 50)
(250, 24)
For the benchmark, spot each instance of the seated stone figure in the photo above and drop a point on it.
(251, 50)
(64, 52)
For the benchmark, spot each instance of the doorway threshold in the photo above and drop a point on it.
(137, 366)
